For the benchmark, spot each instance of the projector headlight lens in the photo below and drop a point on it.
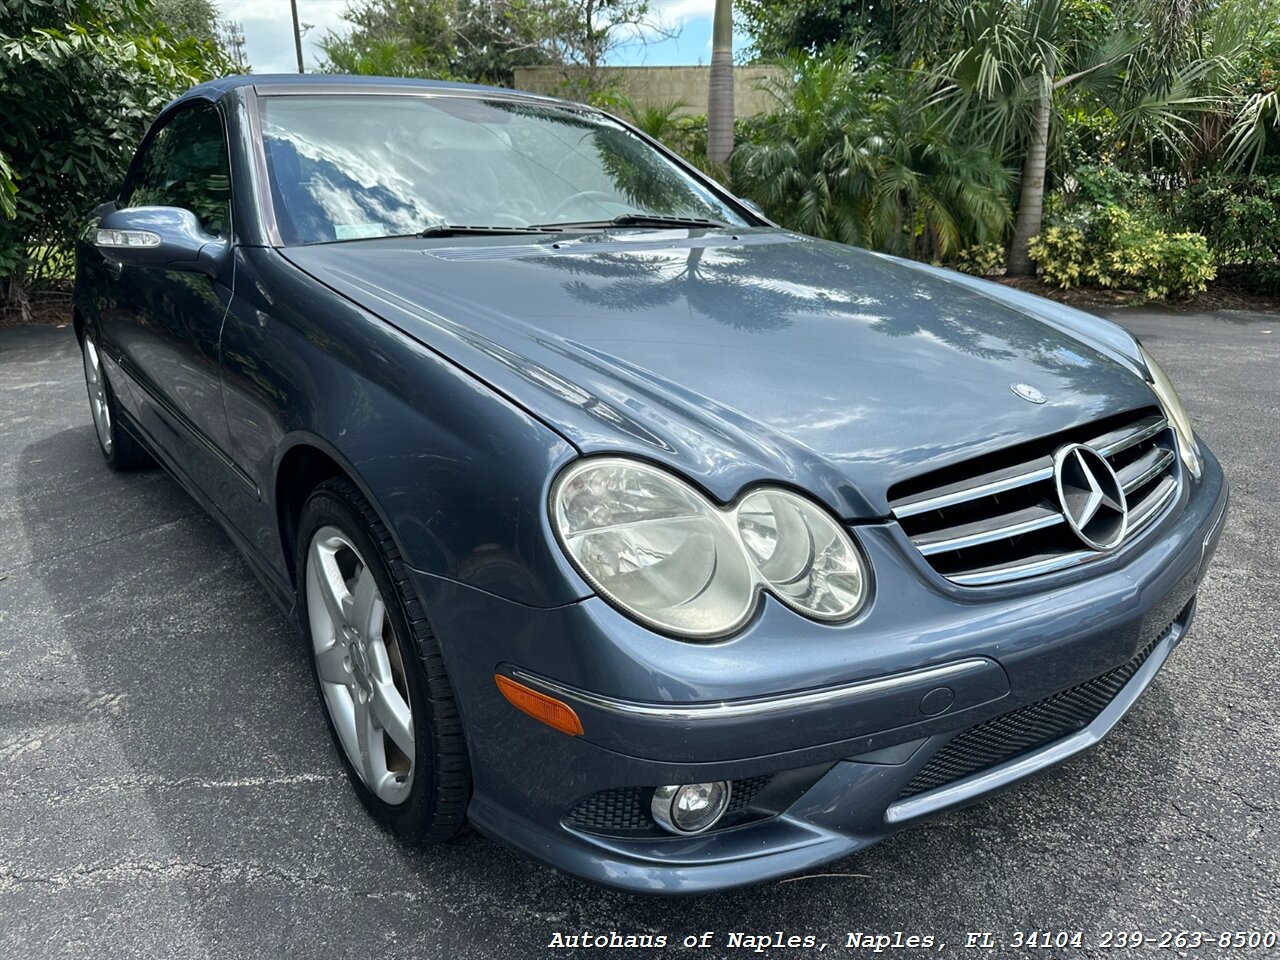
(806, 558)
(664, 554)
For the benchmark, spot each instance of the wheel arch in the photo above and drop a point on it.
(306, 461)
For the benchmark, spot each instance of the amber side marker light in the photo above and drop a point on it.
(546, 709)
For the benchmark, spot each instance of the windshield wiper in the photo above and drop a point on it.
(462, 229)
(636, 220)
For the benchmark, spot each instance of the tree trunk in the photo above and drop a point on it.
(18, 299)
(1031, 201)
(720, 103)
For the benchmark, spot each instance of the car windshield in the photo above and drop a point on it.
(352, 167)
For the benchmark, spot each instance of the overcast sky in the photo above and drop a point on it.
(268, 32)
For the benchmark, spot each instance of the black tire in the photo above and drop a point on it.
(436, 805)
(119, 447)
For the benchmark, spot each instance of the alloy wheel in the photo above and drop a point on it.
(360, 664)
(95, 380)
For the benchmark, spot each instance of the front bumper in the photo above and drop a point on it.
(863, 707)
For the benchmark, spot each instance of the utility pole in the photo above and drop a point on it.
(297, 35)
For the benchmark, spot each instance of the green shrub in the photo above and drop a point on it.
(981, 259)
(76, 96)
(852, 153)
(1104, 185)
(1061, 254)
(1240, 218)
(1112, 247)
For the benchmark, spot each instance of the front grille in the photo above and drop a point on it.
(1024, 730)
(997, 518)
(625, 810)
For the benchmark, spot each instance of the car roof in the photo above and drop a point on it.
(214, 90)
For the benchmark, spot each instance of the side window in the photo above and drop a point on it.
(185, 165)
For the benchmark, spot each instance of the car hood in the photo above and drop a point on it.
(744, 357)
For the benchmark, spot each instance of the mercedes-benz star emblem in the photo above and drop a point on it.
(1028, 393)
(1091, 496)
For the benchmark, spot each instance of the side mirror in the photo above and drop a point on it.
(168, 238)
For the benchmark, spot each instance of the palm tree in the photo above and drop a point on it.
(852, 155)
(1013, 68)
(1007, 69)
(658, 120)
(720, 104)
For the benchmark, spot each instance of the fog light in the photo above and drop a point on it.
(691, 807)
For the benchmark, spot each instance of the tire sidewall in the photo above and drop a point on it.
(326, 507)
(126, 453)
(91, 337)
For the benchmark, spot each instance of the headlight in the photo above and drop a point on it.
(662, 553)
(805, 557)
(1175, 412)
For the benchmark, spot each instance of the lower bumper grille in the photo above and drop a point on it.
(1026, 729)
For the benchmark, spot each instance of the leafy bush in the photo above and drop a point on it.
(1105, 185)
(1112, 247)
(81, 81)
(1062, 255)
(1240, 218)
(981, 259)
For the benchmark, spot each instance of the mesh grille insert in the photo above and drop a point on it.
(1026, 729)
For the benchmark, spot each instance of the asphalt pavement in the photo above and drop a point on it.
(168, 789)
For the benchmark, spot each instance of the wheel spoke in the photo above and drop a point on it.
(364, 741)
(370, 713)
(394, 717)
(331, 663)
(366, 606)
(332, 588)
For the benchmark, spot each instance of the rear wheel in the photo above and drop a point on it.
(378, 669)
(119, 448)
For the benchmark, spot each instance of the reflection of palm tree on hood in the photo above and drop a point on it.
(742, 287)
(954, 331)
(715, 286)
(1001, 333)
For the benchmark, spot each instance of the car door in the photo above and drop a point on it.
(162, 327)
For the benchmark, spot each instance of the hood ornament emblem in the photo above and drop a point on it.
(1028, 393)
(1091, 496)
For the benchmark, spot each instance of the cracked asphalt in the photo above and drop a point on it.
(167, 788)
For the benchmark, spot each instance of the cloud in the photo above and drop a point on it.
(675, 13)
(268, 32)
(268, 29)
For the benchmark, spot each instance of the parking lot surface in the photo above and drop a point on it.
(168, 788)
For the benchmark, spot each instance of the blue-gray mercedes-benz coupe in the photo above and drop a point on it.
(678, 550)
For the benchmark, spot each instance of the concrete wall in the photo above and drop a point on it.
(651, 86)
